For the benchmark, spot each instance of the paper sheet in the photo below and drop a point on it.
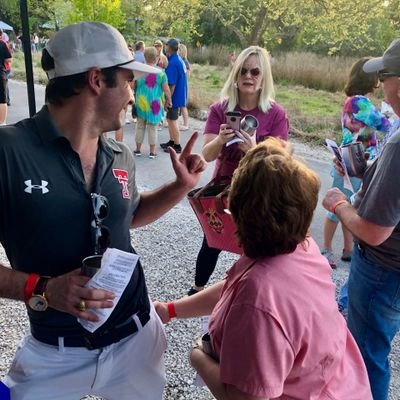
(116, 270)
(335, 150)
(235, 139)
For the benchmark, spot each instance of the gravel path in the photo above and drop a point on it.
(168, 249)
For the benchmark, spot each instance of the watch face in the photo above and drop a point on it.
(38, 303)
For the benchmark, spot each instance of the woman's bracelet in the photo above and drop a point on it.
(337, 204)
(171, 310)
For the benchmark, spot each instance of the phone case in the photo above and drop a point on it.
(233, 119)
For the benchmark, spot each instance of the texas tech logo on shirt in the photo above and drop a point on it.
(122, 176)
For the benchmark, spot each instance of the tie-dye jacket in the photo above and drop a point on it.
(362, 121)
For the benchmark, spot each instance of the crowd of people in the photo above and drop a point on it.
(275, 328)
(160, 98)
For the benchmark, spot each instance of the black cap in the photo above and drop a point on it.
(173, 44)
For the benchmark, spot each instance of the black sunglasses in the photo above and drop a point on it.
(101, 234)
(253, 71)
(382, 76)
(100, 206)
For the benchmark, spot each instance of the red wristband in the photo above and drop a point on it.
(337, 204)
(171, 310)
(30, 285)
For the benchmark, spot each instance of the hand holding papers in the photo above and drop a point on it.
(335, 150)
(114, 275)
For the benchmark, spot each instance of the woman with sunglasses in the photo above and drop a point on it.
(361, 121)
(248, 90)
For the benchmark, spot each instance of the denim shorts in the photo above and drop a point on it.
(338, 182)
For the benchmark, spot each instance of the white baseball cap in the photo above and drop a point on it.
(79, 47)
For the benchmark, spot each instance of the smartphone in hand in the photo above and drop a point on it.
(233, 119)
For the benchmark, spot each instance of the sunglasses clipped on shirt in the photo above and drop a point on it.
(382, 76)
(101, 233)
(254, 72)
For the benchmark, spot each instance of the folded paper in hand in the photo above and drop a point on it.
(336, 151)
(116, 270)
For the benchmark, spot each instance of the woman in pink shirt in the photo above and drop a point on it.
(275, 330)
(249, 90)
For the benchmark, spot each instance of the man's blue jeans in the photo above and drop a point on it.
(374, 316)
(343, 296)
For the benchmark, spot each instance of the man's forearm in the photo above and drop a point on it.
(368, 232)
(156, 203)
(12, 283)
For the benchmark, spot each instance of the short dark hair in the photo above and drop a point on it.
(272, 199)
(61, 88)
(359, 82)
(139, 45)
(173, 45)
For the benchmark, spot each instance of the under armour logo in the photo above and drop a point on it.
(43, 186)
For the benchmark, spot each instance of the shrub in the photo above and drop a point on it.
(213, 55)
(312, 71)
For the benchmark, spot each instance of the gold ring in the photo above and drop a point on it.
(82, 305)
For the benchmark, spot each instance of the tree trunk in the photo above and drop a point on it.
(259, 27)
(232, 27)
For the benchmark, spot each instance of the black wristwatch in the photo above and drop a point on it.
(38, 300)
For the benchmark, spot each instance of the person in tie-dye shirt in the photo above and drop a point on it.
(152, 97)
(361, 121)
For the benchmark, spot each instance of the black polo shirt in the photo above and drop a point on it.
(46, 211)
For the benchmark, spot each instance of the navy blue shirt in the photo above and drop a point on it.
(176, 75)
(46, 210)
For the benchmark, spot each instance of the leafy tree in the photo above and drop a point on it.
(343, 27)
(252, 21)
(40, 12)
(9, 13)
(163, 18)
(108, 11)
(211, 31)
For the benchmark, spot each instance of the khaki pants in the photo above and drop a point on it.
(141, 126)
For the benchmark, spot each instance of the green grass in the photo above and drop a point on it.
(18, 68)
(313, 103)
(205, 84)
